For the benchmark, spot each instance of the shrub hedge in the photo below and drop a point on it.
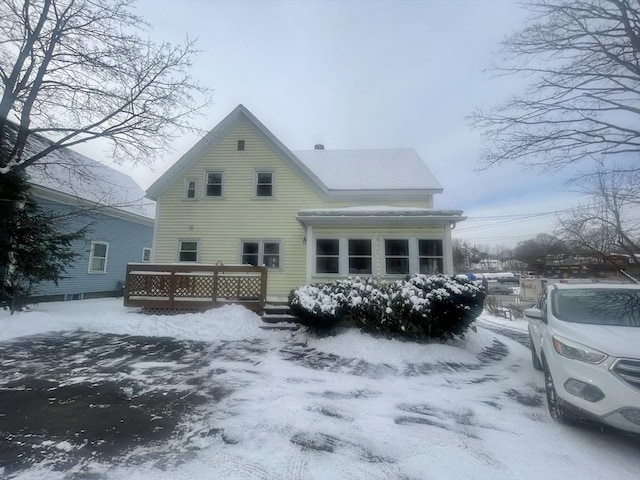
(421, 307)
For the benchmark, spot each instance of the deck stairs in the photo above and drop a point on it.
(277, 316)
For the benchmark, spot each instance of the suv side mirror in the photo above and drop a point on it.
(535, 313)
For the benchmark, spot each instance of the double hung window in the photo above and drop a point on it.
(264, 184)
(397, 256)
(430, 256)
(214, 182)
(188, 251)
(98, 257)
(360, 257)
(328, 256)
(261, 252)
(190, 186)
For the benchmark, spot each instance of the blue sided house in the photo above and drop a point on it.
(83, 192)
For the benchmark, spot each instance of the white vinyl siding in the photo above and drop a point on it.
(98, 257)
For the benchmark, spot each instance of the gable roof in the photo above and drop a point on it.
(331, 173)
(215, 136)
(65, 174)
(370, 169)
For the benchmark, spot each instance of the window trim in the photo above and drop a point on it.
(179, 249)
(261, 242)
(146, 249)
(188, 180)
(92, 257)
(206, 184)
(256, 173)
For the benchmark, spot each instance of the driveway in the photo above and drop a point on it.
(73, 400)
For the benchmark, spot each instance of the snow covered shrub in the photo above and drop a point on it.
(421, 307)
(318, 305)
(452, 304)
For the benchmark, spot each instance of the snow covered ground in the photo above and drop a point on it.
(264, 404)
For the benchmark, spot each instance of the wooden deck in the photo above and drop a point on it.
(191, 287)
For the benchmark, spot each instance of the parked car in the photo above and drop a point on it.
(586, 339)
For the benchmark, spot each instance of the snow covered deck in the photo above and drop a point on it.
(177, 287)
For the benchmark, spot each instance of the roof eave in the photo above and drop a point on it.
(45, 193)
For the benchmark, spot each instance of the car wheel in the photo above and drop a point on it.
(534, 357)
(556, 410)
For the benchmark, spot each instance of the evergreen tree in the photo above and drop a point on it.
(34, 246)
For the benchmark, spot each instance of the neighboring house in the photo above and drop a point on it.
(85, 192)
(240, 196)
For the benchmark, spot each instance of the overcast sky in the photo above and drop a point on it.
(370, 75)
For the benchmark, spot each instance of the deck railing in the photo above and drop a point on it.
(194, 287)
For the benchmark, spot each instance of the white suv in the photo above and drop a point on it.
(586, 338)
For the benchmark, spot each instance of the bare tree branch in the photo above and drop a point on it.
(79, 70)
(609, 225)
(584, 59)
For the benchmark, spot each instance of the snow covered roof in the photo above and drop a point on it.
(70, 173)
(390, 173)
(379, 215)
(370, 169)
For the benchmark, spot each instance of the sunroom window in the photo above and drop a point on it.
(430, 256)
(360, 257)
(396, 256)
(328, 256)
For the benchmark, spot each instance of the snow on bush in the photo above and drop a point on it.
(421, 307)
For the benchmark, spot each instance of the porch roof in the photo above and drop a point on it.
(379, 216)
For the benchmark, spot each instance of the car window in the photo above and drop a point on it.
(619, 307)
(542, 301)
